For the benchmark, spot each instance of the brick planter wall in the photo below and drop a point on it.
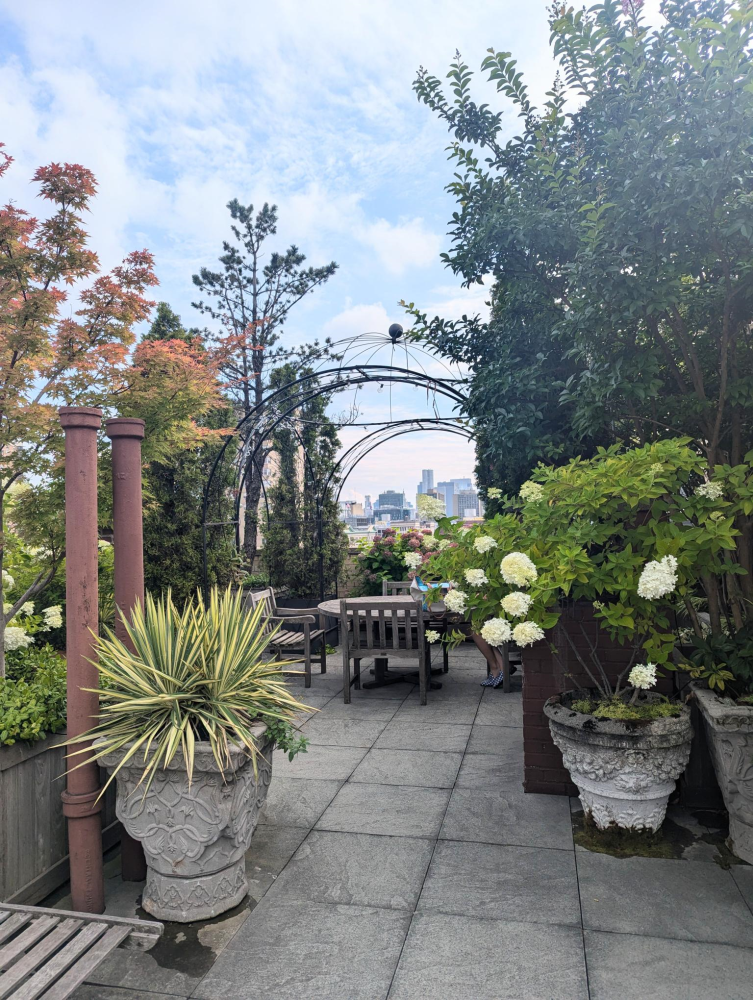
(546, 673)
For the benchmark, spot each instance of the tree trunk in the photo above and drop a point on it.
(251, 514)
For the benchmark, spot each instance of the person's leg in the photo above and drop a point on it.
(495, 663)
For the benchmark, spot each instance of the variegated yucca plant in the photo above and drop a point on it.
(199, 675)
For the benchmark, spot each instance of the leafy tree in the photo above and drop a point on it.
(176, 392)
(305, 447)
(48, 354)
(251, 296)
(619, 235)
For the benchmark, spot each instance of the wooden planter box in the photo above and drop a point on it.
(33, 835)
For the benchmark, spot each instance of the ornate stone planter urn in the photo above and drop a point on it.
(729, 728)
(624, 770)
(194, 835)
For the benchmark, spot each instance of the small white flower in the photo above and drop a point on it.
(658, 578)
(526, 633)
(432, 635)
(27, 608)
(711, 491)
(484, 544)
(656, 469)
(53, 616)
(517, 569)
(494, 492)
(430, 508)
(643, 676)
(8, 581)
(496, 631)
(16, 638)
(476, 577)
(455, 601)
(516, 604)
(531, 492)
(412, 559)
(464, 530)
(103, 544)
(443, 544)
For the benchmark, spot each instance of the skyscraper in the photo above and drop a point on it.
(427, 481)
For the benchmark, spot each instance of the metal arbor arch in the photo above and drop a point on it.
(263, 420)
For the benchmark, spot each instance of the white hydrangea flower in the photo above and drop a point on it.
(658, 578)
(484, 544)
(432, 635)
(526, 633)
(443, 544)
(464, 530)
(27, 608)
(531, 492)
(103, 544)
(53, 616)
(430, 508)
(412, 559)
(656, 469)
(496, 631)
(516, 605)
(494, 492)
(517, 569)
(711, 491)
(643, 676)
(476, 577)
(8, 582)
(16, 638)
(456, 601)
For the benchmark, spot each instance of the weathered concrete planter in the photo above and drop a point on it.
(195, 836)
(624, 770)
(729, 728)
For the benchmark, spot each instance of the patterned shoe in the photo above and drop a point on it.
(498, 681)
(488, 681)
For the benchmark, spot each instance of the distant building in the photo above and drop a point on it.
(427, 481)
(465, 503)
(367, 508)
(393, 503)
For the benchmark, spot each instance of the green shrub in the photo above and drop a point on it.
(616, 708)
(24, 664)
(32, 709)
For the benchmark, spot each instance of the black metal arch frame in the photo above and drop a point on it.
(324, 382)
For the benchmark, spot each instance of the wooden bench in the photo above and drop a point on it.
(50, 953)
(288, 641)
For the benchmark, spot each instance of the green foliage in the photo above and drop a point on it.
(617, 708)
(32, 696)
(593, 531)
(725, 661)
(195, 675)
(619, 237)
(286, 738)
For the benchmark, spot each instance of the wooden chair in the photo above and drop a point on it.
(49, 953)
(287, 641)
(393, 587)
(383, 626)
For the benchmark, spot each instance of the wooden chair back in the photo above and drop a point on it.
(267, 599)
(391, 588)
(371, 625)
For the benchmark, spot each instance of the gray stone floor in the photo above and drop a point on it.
(400, 858)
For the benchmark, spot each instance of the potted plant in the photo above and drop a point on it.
(189, 715)
(637, 535)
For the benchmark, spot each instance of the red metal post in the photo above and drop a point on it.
(81, 424)
(126, 434)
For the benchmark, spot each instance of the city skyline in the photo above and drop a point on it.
(391, 470)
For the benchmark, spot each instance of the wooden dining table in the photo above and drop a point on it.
(382, 674)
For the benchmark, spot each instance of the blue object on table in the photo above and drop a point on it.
(424, 587)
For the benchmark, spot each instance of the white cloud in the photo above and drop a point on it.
(402, 246)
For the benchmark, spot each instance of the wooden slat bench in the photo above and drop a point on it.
(48, 954)
(287, 641)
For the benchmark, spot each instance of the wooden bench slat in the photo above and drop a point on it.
(34, 958)
(16, 922)
(34, 987)
(144, 933)
(37, 929)
(87, 964)
(4, 915)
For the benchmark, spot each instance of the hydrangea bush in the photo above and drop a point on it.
(393, 556)
(632, 532)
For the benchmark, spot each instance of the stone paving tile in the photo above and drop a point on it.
(462, 958)
(271, 849)
(743, 876)
(376, 710)
(334, 762)
(392, 810)
(502, 883)
(323, 730)
(448, 710)
(427, 768)
(490, 771)
(504, 741)
(500, 709)
(312, 951)
(630, 967)
(423, 736)
(356, 868)
(297, 801)
(508, 815)
(688, 900)
(114, 993)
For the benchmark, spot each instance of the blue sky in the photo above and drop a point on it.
(179, 106)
